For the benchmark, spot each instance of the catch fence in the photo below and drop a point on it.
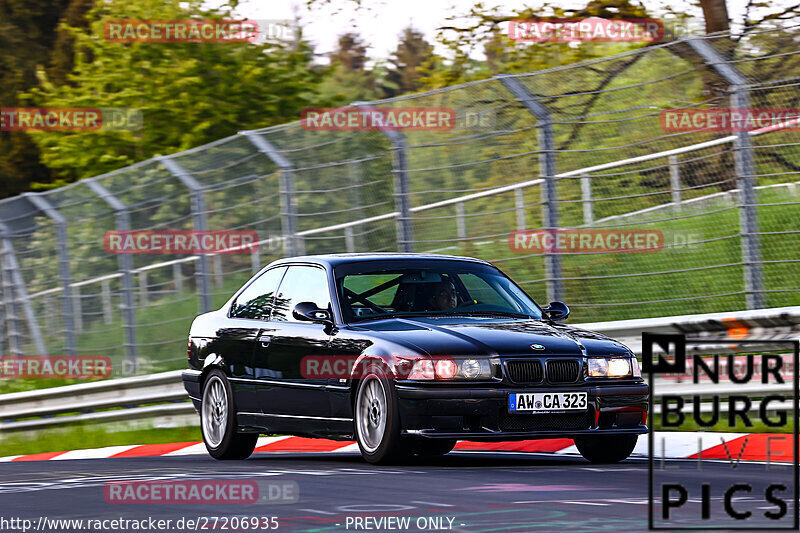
(580, 147)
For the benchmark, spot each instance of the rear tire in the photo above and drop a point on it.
(607, 448)
(218, 421)
(377, 419)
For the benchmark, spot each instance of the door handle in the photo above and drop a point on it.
(265, 341)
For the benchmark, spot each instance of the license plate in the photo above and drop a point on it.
(549, 402)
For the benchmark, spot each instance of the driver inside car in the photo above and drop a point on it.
(444, 297)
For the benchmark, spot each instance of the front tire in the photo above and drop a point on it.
(377, 419)
(607, 448)
(218, 421)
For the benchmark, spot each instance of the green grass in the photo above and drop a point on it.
(85, 437)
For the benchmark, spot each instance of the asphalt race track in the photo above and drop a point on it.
(464, 491)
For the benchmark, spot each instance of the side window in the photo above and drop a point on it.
(301, 284)
(256, 300)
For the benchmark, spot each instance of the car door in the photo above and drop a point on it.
(247, 317)
(286, 394)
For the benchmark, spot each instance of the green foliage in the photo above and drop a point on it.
(188, 93)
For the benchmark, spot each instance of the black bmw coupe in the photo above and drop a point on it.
(406, 354)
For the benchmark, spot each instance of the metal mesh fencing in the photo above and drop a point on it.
(580, 148)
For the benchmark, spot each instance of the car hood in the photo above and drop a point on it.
(482, 336)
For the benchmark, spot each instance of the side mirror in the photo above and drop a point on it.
(556, 311)
(309, 312)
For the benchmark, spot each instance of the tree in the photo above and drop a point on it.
(412, 54)
(347, 79)
(188, 93)
(29, 39)
(351, 53)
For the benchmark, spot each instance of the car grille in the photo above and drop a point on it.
(563, 370)
(525, 371)
(545, 422)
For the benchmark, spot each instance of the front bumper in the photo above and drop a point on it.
(482, 413)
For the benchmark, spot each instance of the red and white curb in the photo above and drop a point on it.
(772, 447)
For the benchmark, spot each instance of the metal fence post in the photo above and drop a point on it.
(586, 197)
(199, 223)
(77, 309)
(64, 270)
(255, 260)
(675, 179)
(14, 294)
(177, 276)
(519, 206)
(2, 305)
(105, 296)
(143, 296)
(354, 176)
(10, 314)
(547, 168)
(405, 229)
(349, 241)
(216, 261)
(461, 222)
(122, 223)
(49, 320)
(743, 163)
(294, 244)
(402, 189)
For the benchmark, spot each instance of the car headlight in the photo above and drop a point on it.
(471, 368)
(448, 368)
(610, 367)
(598, 367)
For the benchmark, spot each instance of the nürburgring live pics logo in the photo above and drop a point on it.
(742, 385)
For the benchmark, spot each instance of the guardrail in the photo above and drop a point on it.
(131, 398)
(162, 395)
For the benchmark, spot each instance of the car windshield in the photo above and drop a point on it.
(454, 288)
